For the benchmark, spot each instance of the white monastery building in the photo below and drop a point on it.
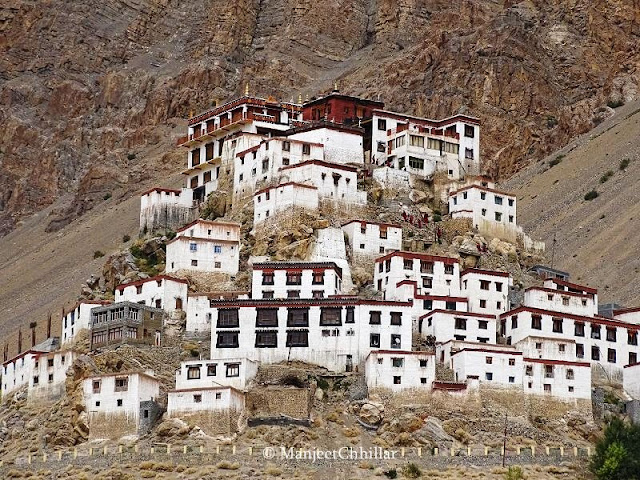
(487, 290)
(47, 381)
(400, 370)
(78, 318)
(161, 291)
(205, 246)
(495, 367)
(372, 238)
(296, 280)
(269, 201)
(483, 204)
(631, 380)
(447, 325)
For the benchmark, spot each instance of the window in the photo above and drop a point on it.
(460, 323)
(483, 304)
(632, 337)
(547, 388)
(633, 358)
(212, 370)
(423, 380)
(484, 212)
(611, 334)
(528, 371)
(383, 234)
(122, 384)
(512, 362)
(362, 246)
(193, 373)
(399, 141)
(286, 146)
(193, 247)
(570, 374)
(488, 376)
(497, 200)
(194, 263)
(407, 264)
(423, 363)
(330, 316)
(350, 315)
(510, 218)
(294, 278)
(267, 278)
(484, 285)
(36, 380)
(217, 249)
(469, 131)
(382, 124)
(450, 305)
(396, 341)
(488, 360)
(536, 322)
(233, 370)
(285, 161)
(197, 398)
(579, 350)
(297, 338)
(595, 353)
(548, 371)
(267, 338)
(511, 202)
(119, 402)
(483, 196)
(306, 149)
(483, 324)
(227, 340)
(562, 347)
(396, 318)
(397, 362)
(448, 269)
(218, 396)
(374, 318)
(427, 304)
(96, 386)
(427, 282)
(266, 317)
(417, 163)
(297, 317)
(611, 355)
(293, 293)
(498, 216)
(374, 340)
(595, 331)
(318, 278)
(498, 286)
(397, 380)
(228, 318)
(416, 141)
(514, 321)
(557, 325)
(483, 339)
(579, 329)
(267, 294)
(426, 267)
(565, 301)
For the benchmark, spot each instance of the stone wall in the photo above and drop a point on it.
(213, 422)
(274, 401)
(165, 217)
(148, 420)
(112, 426)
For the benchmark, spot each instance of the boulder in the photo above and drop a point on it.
(432, 431)
(371, 413)
(418, 196)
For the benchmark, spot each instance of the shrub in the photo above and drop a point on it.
(514, 473)
(610, 397)
(98, 254)
(606, 176)
(170, 235)
(591, 195)
(393, 473)
(411, 470)
(551, 121)
(224, 465)
(624, 164)
(125, 238)
(615, 103)
(437, 217)
(613, 460)
(322, 383)
(107, 196)
(556, 161)
(131, 156)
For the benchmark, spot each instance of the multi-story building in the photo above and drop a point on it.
(400, 370)
(18, 371)
(119, 404)
(372, 238)
(568, 380)
(49, 375)
(221, 372)
(495, 367)
(126, 322)
(487, 290)
(199, 309)
(78, 318)
(296, 280)
(631, 380)
(336, 333)
(205, 246)
(270, 201)
(549, 348)
(423, 147)
(161, 291)
(483, 204)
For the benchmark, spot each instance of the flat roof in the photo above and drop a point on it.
(419, 256)
(152, 279)
(433, 122)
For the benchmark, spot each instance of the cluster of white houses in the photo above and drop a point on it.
(285, 156)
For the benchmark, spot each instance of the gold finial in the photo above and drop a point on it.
(190, 113)
(300, 98)
(246, 89)
(306, 97)
(335, 85)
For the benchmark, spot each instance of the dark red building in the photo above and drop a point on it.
(339, 108)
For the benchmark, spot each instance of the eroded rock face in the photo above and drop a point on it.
(91, 108)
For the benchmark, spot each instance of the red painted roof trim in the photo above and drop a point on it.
(480, 271)
(584, 288)
(322, 163)
(418, 256)
(556, 362)
(160, 189)
(597, 320)
(480, 187)
(156, 278)
(486, 350)
(295, 184)
(459, 314)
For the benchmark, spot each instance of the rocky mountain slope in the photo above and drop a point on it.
(595, 240)
(93, 92)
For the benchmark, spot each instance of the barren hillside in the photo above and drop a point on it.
(596, 240)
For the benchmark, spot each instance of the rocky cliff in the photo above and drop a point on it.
(93, 93)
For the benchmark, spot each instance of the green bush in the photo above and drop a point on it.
(107, 196)
(393, 473)
(551, 121)
(437, 217)
(616, 455)
(125, 238)
(624, 164)
(615, 103)
(514, 473)
(606, 176)
(411, 470)
(131, 156)
(591, 195)
(98, 254)
(556, 161)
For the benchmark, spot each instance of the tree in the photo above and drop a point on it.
(616, 452)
